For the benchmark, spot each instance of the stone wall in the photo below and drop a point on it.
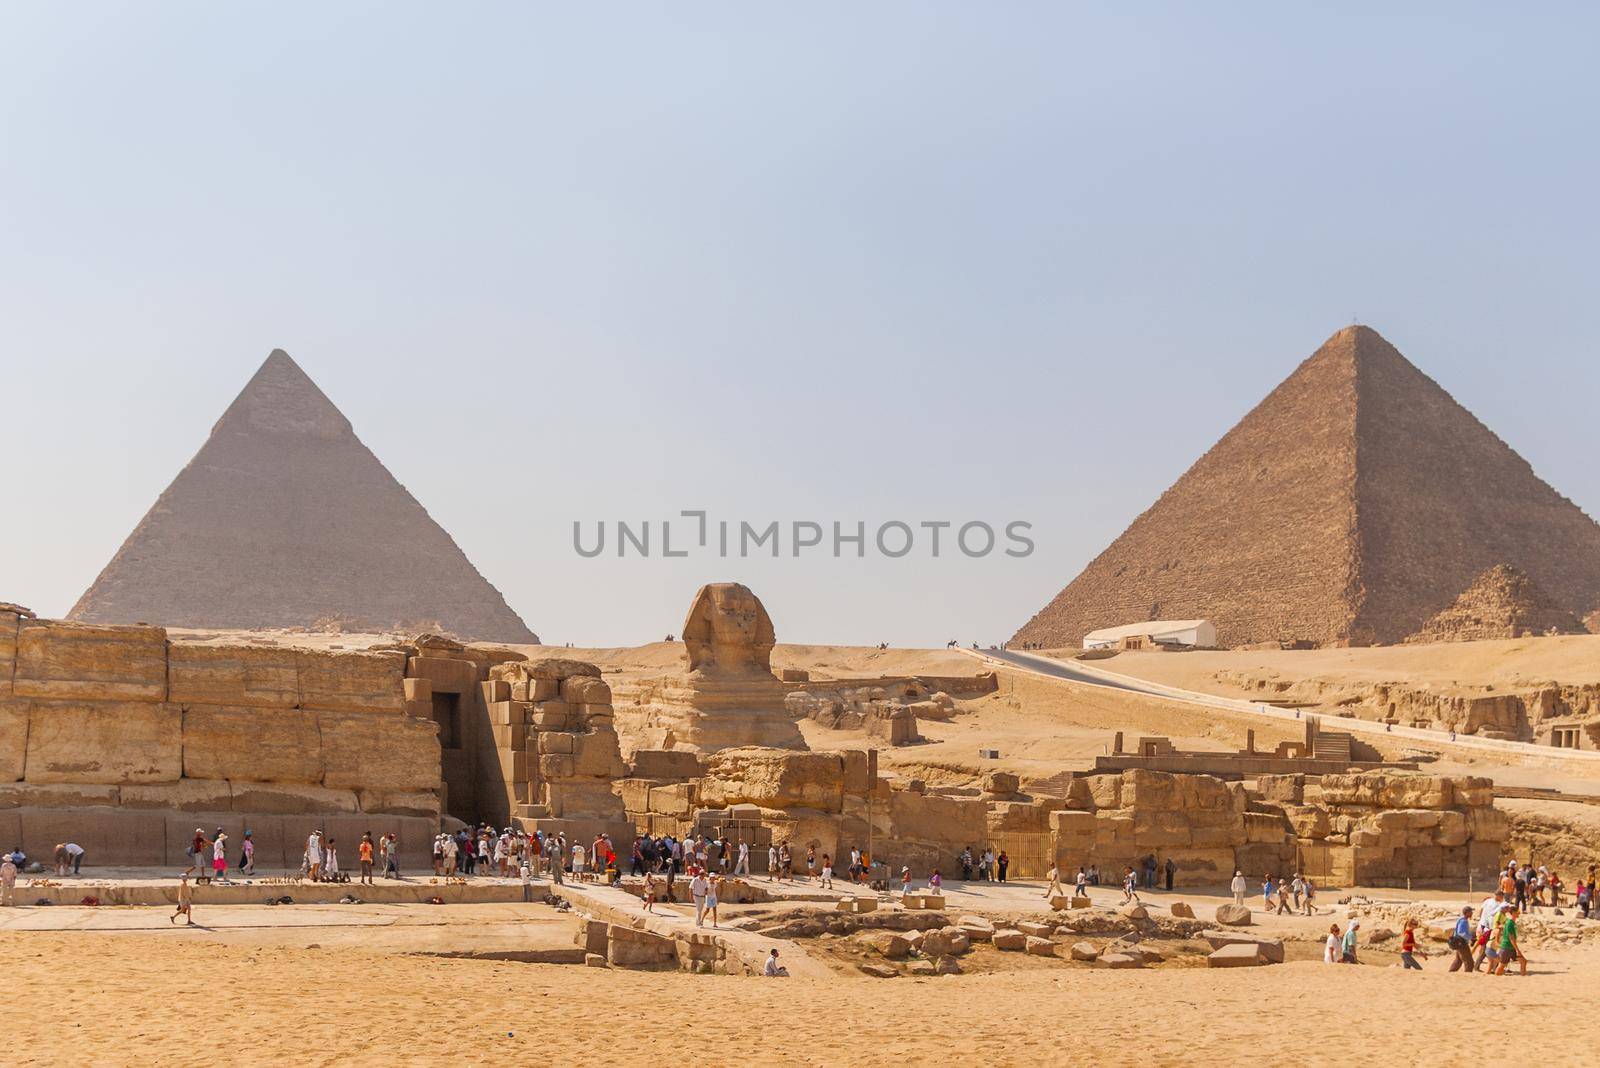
(123, 738)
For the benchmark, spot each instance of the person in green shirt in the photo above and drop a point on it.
(1508, 943)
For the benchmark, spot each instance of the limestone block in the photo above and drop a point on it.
(1486, 824)
(422, 689)
(1233, 915)
(447, 674)
(1263, 827)
(1309, 821)
(1120, 960)
(555, 742)
(495, 690)
(1149, 790)
(596, 755)
(976, 928)
(282, 798)
(945, 942)
(635, 794)
(109, 742)
(1010, 939)
(583, 799)
(630, 948)
(394, 752)
(557, 668)
(669, 764)
(259, 744)
(1037, 930)
(775, 778)
(551, 715)
(1284, 789)
(1205, 793)
(1238, 955)
(1227, 831)
(509, 735)
(1013, 817)
(1156, 829)
(1082, 901)
(1181, 910)
(423, 803)
(1085, 951)
(585, 690)
(1471, 791)
(185, 795)
(233, 675)
(513, 764)
(673, 800)
(1104, 790)
(856, 780)
(507, 713)
(58, 795)
(556, 766)
(108, 836)
(543, 689)
(1270, 948)
(13, 740)
(353, 682)
(1079, 795)
(1039, 947)
(77, 660)
(10, 827)
(1132, 911)
(1072, 823)
(1001, 783)
(889, 945)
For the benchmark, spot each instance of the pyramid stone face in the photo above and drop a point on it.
(284, 518)
(1352, 504)
(1501, 603)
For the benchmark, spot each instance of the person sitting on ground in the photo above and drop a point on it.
(772, 969)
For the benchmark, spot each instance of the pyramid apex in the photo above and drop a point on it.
(281, 397)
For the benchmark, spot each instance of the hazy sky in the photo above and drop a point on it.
(820, 262)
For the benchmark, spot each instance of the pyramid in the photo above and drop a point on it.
(1501, 603)
(1348, 507)
(285, 519)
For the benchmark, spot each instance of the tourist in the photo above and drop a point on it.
(364, 855)
(1310, 890)
(1171, 869)
(772, 969)
(1297, 889)
(988, 864)
(1330, 949)
(75, 857)
(743, 865)
(698, 889)
(197, 853)
(1001, 863)
(313, 858)
(1149, 871)
(1283, 899)
(1054, 888)
(1267, 889)
(1080, 886)
(1094, 875)
(525, 869)
(330, 864)
(1130, 886)
(811, 862)
(827, 872)
(649, 891)
(1408, 945)
(185, 901)
(786, 862)
(966, 864)
(714, 896)
(578, 861)
(8, 881)
(219, 856)
(936, 883)
(1239, 887)
(1348, 948)
(1487, 913)
(438, 854)
(247, 855)
(1509, 946)
(855, 864)
(1461, 942)
(391, 856)
(905, 881)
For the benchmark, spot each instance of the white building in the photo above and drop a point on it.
(1195, 633)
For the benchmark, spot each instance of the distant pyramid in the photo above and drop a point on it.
(284, 518)
(1501, 603)
(1352, 504)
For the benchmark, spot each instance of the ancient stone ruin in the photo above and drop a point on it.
(285, 519)
(1501, 603)
(728, 698)
(126, 741)
(1351, 505)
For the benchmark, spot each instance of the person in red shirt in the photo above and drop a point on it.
(1408, 946)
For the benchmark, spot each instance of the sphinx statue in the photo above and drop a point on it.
(729, 697)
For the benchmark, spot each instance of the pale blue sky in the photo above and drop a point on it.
(821, 261)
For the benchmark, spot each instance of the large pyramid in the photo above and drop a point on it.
(1351, 505)
(284, 518)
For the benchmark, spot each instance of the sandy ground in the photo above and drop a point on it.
(92, 997)
(1511, 663)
